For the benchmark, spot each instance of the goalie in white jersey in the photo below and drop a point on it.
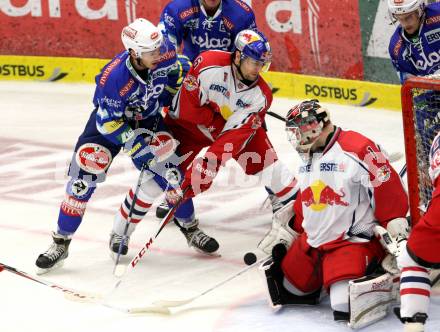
(347, 186)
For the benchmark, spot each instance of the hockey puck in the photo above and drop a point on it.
(250, 258)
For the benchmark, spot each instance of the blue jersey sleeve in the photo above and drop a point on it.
(110, 101)
(241, 16)
(403, 68)
(171, 24)
(110, 120)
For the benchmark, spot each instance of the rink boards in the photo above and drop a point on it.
(82, 70)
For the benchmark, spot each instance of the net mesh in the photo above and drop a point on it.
(425, 114)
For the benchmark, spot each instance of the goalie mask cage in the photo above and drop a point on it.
(420, 110)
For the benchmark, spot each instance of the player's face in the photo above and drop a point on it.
(251, 68)
(410, 22)
(150, 59)
(211, 4)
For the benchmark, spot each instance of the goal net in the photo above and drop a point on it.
(421, 123)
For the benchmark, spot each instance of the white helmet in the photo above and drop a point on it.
(141, 36)
(405, 6)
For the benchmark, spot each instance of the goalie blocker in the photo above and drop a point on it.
(370, 297)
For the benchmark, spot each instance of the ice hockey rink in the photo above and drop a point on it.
(40, 123)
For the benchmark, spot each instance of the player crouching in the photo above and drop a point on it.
(326, 239)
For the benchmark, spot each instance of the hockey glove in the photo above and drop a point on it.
(175, 79)
(140, 152)
(398, 229)
(393, 239)
(199, 176)
(280, 231)
(214, 127)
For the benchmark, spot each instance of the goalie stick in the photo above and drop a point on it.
(392, 157)
(79, 296)
(177, 303)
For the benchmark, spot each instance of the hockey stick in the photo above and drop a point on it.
(177, 303)
(436, 278)
(120, 270)
(127, 222)
(276, 116)
(77, 295)
(392, 157)
(139, 183)
(403, 171)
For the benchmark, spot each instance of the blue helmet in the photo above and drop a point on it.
(254, 45)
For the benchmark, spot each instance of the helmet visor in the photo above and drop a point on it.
(262, 65)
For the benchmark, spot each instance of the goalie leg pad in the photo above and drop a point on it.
(369, 299)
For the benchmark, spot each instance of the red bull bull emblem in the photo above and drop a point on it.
(319, 195)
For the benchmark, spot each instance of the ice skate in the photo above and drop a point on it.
(54, 257)
(197, 239)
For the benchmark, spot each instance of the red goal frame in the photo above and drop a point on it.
(409, 137)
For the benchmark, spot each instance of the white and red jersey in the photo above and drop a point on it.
(211, 90)
(345, 189)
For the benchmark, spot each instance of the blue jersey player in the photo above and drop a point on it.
(415, 51)
(195, 26)
(415, 45)
(130, 91)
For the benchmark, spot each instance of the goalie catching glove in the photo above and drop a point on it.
(280, 231)
(393, 239)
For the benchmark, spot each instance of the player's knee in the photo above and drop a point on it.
(80, 189)
(404, 259)
(150, 190)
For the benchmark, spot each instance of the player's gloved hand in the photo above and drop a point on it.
(398, 229)
(215, 126)
(199, 176)
(280, 232)
(140, 152)
(392, 237)
(175, 79)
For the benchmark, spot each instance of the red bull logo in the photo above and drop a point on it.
(319, 195)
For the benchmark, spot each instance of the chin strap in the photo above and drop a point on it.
(138, 62)
(243, 80)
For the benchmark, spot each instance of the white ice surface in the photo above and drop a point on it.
(39, 125)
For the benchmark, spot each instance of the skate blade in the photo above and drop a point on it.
(39, 271)
(113, 255)
(211, 254)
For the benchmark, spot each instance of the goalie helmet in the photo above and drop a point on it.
(141, 36)
(304, 124)
(397, 7)
(254, 45)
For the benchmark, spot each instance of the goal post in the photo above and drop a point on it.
(420, 111)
